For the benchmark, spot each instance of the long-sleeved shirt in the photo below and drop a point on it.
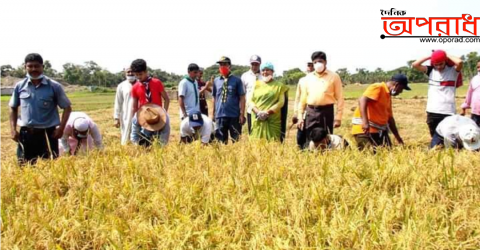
(249, 79)
(123, 109)
(473, 96)
(69, 143)
(322, 89)
(298, 94)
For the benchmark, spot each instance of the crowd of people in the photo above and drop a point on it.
(257, 99)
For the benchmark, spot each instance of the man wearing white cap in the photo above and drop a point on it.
(151, 123)
(123, 106)
(458, 132)
(80, 134)
(248, 79)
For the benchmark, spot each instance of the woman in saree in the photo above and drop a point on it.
(267, 101)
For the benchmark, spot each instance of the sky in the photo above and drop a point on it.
(171, 34)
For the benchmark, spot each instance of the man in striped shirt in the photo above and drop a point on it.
(444, 78)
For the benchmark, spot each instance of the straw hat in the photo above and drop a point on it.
(151, 117)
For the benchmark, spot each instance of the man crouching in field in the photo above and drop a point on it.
(374, 117)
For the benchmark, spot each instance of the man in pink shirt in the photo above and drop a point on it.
(80, 134)
(473, 97)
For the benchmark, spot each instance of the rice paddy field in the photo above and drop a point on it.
(248, 195)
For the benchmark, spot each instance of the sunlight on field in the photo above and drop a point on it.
(243, 196)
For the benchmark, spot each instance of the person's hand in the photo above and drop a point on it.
(262, 115)
(117, 123)
(400, 141)
(242, 119)
(294, 120)
(366, 127)
(301, 124)
(463, 112)
(58, 133)
(15, 135)
(337, 123)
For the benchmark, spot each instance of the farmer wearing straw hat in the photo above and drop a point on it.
(153, 124)
(196, 126)
(444, 77)
(374, 117)
(80, 134)
(40, 125)
(458, 132)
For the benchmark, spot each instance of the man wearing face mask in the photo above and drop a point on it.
(39, 97)
(123, 106)
(320, 91)
(374, 117)
(444, 77)
(301, 135)
(249, 79)
(228, 103)
(473, 97)
(80, 134)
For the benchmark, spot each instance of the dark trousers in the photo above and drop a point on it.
(226, 126)
(249, 122)
(34, 144)
(438, 140)
(373, 140)
(203, 106)
(284, 115)
(476, 119)
(301, 139)
(319, 116)
(433, 119)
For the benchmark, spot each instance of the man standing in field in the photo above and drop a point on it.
(444, 77)
(123, 106)
(321, 90)
(301, 135)
(228, 103)
(248, 79)
(146, 90)
(374, 117)
(473, 97)
(188, 92)
(39, 97)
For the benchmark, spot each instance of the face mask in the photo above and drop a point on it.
(267, 78)
(393, 92)
(479, 72)
(34, 78)
(131, 79)
(319, 67)
(224, 70)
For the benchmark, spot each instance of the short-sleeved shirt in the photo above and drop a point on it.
(230, 107)
(379, 109)
(39, 104)
(156, 89)
(191, 98)
(441, 90)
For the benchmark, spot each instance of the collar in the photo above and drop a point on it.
(147, 81)
(189, 79)
(43, 82)
(324, 73)
(253, 73)
(385, 86)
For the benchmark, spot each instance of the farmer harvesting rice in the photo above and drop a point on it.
(267, 101)
(39, 97)
(228, 103)
(153, 125)
(320, 91)
(123, 106)
(301, 135)
(196, 126)
(321, 140)
(458, 132)
(444, 78)
(373, 118)
(80, 134)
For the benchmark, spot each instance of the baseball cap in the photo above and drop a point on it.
(196, 119)
(224, 59)
(401, 79)
(256, 59)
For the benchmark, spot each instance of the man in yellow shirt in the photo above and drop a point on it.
(301, 135)
(320, 91)
(374, 117)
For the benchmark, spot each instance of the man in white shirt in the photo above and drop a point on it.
(123, 106)
(248, 79)
(301, 133)
(321, 140)
(196, 126)
(80, 134)
(458, 132)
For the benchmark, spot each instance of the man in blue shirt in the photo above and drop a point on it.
(38, 96)
(228, 103)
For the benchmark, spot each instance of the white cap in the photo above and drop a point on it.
(80, 124)
(470, 136)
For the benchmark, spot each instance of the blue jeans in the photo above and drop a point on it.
(438, 140)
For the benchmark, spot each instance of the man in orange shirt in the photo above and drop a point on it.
(374, 117)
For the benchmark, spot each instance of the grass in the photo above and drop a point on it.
(243, 196)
